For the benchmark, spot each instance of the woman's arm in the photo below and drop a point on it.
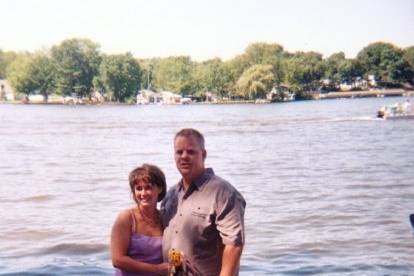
(120, 236)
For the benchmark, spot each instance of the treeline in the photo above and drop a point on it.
(77, 67)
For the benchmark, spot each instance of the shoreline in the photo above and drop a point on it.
(380, 93)
(321, 96)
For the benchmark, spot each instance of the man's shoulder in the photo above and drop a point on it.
(221, 186)
(224, 192)
(173, 190)
(220, 182)
(170, 198)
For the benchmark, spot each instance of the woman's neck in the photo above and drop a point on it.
(147, 211)
(149, 215)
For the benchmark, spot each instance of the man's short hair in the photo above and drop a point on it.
(191, 132)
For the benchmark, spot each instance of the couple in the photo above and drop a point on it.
(201, 219)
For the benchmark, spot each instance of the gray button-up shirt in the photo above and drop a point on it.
(201, 220)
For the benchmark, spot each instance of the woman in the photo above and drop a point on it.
(136, 234)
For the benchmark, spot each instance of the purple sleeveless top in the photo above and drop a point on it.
(142, 248)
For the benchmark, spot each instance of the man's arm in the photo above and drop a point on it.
(231, 260)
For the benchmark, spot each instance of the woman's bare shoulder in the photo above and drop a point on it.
(124, 216)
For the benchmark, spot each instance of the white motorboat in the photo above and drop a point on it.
(396, 111)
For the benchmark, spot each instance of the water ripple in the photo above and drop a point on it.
(328, 188)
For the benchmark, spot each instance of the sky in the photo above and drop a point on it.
(206, 29)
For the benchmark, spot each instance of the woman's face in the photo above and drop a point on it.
(146, 193)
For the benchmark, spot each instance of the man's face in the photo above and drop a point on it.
(189, 158)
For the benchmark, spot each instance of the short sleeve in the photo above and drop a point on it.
(230, 207)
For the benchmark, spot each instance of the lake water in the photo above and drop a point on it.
(329, 188)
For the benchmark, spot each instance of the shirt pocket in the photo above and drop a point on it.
(202, 219)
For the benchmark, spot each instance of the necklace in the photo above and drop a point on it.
(154, 222)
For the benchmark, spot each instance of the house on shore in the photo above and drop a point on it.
(281, 93)
(169, 97)
(163, 97)
(211, 97)
(148, 97)
(356, 84)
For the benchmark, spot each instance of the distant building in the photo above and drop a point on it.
(280, 93)
(170, 97)
(186, 100)
(372, 81)
(148, 97)
(163, 97)
(36, 98)
(97, 97)
(345, 86)
(211, 97)
(356, 84)
(55, 99)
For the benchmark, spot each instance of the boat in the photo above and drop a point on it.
(396, 111)
(386, 116)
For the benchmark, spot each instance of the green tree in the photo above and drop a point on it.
(211, 75)
(349, 69)
(6, 58)
(32, 73)
(236, 66)
(257, 53)
(332, 64)
(175, 74)
(20, 75)
(338, 68)
(385, 61)
(120, 76)
(255, 82)
(303, 72)
(409, 57)
(266, 53)
(147, 69)
(77, 62)
(42, 73)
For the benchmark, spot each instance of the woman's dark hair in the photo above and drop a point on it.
(150, 174)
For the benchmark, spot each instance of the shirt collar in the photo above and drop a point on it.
(198, 183)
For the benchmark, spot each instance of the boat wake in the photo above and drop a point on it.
(311, 120)
(331, 120)
(348, 119)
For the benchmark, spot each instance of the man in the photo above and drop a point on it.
(203, 214)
